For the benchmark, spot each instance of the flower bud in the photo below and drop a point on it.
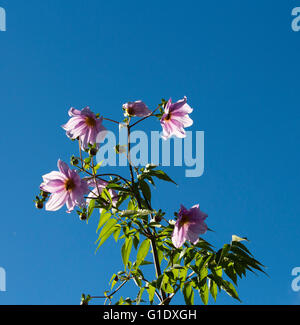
(44, 194)
(157, 218)
(137, 108)
(39, 205)
(93, 151)
(74, 161)
(83, 216)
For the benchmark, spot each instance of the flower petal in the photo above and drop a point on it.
(63, 167)
(56, 201)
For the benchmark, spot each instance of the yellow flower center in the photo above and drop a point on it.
(130, 111)
(184, 219)
(69, 185)
(90, 121)
(168, 117)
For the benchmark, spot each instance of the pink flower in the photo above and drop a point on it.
(175, 119)
(65, 186)
(85, 125)
(189, 225)
(101, 184)
(137, 108)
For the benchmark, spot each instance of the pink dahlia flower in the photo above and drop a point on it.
(65, 186)
(137, 108)
(175, 119)
(85, 125)
(189, 225)
(101, 185)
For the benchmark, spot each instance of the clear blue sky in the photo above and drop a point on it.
(238, 64)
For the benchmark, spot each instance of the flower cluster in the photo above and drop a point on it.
(66, 187)
(183, 262)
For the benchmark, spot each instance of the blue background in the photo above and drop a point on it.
(238, 64)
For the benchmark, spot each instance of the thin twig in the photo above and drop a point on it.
(111, 294)
(108, 119)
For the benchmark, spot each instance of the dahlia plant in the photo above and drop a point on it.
(183, 262)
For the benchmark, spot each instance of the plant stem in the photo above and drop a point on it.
(108, 119)
(111, 294)
(95, 180)
(152, 238)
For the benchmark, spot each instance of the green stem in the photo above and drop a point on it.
(151, 236)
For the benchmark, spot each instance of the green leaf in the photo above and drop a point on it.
(188, 293)
(117, 187)
(160, 253)
(151, 291)
(242, 246)
(222, 253)
(139, 296)
(98, 166)
(204, 293)
(106, 231)
(159, 282)
(131, 206)
(213, 288)
(116, 232)
(142, 252)
(203, 273)
(231, 273)
(136, 240)
(145, 190)
(104, 216)
(106, 195)
(91, 208)
(113, 281)
(126, 249)
(161, 175)
(230, 289)
(182, 276)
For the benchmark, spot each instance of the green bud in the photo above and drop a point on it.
(158, 218)
(74, 161)
(93, 152)
(39, 205)
(82, 216)
(44, 194)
